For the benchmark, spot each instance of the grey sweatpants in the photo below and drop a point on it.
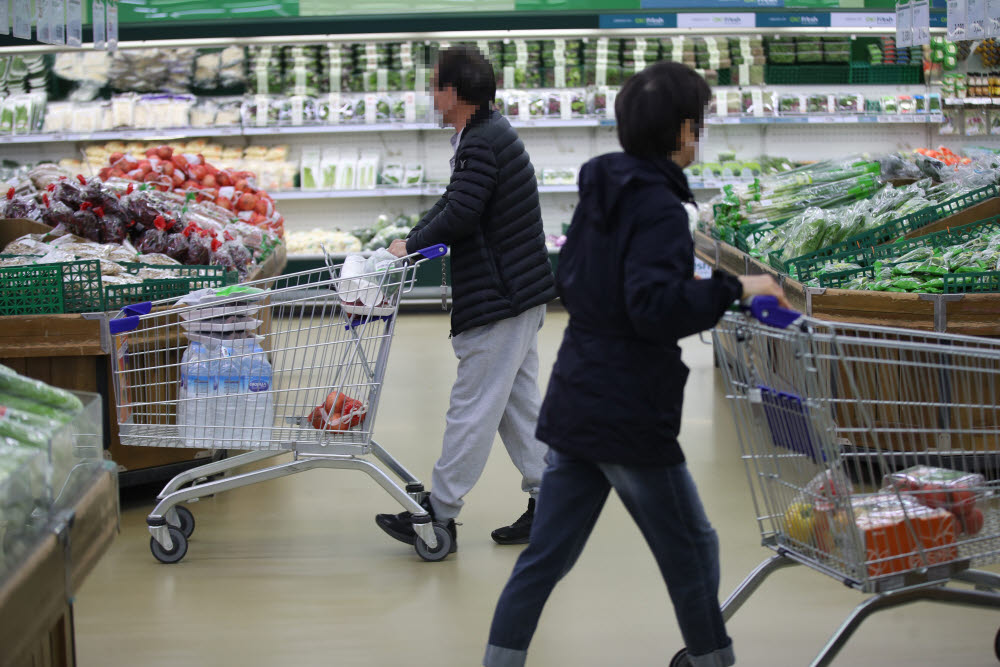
(496, 390)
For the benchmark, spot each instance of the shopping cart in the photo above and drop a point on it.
(872, 456)
(289, 364)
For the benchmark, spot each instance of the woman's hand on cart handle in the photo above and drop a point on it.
(763, 285)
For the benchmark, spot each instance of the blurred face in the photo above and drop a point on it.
(445, 99)
(687, 139)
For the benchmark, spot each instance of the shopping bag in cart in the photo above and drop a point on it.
(365, 286)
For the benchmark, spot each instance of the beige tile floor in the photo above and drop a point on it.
(294, 572)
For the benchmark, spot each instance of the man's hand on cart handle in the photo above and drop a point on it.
(763, 285)
(398, 248)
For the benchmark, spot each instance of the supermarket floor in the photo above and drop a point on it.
(294, 572)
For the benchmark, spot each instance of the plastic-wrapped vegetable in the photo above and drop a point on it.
(37, 391)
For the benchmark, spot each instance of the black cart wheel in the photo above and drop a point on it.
(185, 520)
(680, 659)
(443, 547)
(170, 555)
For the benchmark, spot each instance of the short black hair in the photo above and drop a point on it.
(653, 105)
(465, 69)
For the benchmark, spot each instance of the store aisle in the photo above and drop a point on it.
(294, 572)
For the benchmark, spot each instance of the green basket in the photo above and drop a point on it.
(936, 240)
(189, 279)
(806, 265)
(31, 290)
(838, 279)
(81, 286)
(972, 283)
(807, 74)
(865, 73)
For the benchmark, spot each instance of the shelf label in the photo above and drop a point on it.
(904, 24)
(736, 20)
(43, 25)
(112, 16)
(956, 20)
(626, 21)
(921, 19)
(791, 21)
(22, 19)
(862, 20)
(99, 22)
(58, 21)
(975, 19)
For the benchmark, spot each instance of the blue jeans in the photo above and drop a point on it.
(664, 503)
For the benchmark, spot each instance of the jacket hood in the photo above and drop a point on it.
(605, 180)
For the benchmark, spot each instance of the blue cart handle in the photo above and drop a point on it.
(765, 309)
(434, 251)
(130, 319)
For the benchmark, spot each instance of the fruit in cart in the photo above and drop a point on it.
(800, 522)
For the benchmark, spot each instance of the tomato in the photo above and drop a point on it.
(962, 498)
(971, 519)
(932, 495)
(104, 174)
(324, 421)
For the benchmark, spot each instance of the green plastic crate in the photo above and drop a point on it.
(972, 283)
(81, 290)
(936, 240)
(31, 290)
(864, 73)
(806, 265)
(807, 74)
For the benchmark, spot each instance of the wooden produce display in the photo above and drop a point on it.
(71, 352)
(36, 610)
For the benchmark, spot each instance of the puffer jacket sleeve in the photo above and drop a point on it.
(469, 192)
(430, 215)
(663, 300)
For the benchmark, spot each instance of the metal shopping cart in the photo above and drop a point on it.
(872, 456)
(290, 364)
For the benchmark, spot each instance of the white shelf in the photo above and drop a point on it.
(427, 190)
(422, 191)
(182, 133)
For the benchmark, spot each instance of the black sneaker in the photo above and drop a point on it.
(518, 532)
(400, 526)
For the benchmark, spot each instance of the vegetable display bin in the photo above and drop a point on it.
(806, 74)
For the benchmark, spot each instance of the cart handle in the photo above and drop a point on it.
(765, 309)
(434, 251)
(130, 318)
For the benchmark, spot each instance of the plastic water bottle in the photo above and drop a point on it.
(183, 408)
(259, 398)
(228, 404)
(203, 389)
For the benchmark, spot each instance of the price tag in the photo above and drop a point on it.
(560, 75)
(565, 104)
(921, 18)
(975, 19)
(74, 22)
(721, 104)
(43, 28)
(677, 48)
(701, 269)
(371, 104)
(99, 21)
(993, 18)
(508, 77)
(757, 99)
(904, 24)
(523, 112)
(382, 79)
(956, 20)
(410, 107)
(57, 21)
(22, 19)
(298, 110)
(850, 119)
(112, 25)
(602, 74)
(262, 108)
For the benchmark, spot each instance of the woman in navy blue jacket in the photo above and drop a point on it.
(613, 407)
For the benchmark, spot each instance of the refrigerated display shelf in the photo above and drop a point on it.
(183, 133)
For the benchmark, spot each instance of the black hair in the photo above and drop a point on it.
(465, 69)
(653, 105)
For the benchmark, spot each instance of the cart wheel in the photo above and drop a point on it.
(173, 555)
(185, 520)
(680, 659)
(443, 547)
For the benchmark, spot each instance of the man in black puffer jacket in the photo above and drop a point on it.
(501, 281)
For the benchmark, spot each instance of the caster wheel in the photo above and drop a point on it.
(173, 555)
(185, 520)
(443, 547)
(680, 659)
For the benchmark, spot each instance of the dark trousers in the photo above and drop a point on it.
(664, 503)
